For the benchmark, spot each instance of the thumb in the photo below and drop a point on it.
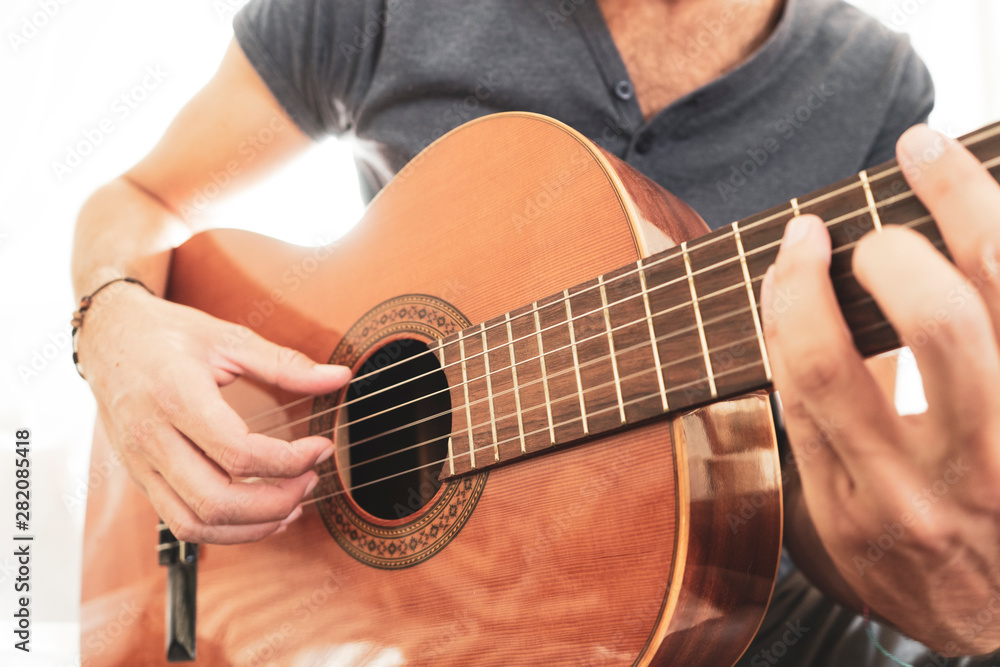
(284, 367)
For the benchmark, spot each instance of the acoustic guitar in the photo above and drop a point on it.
(555, 450)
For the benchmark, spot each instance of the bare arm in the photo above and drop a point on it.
(143, 355)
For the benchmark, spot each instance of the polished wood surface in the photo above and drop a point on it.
(632, 548)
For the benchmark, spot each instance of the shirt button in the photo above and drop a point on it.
(623, 89)
(644, 143)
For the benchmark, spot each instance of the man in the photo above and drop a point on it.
(734, 105)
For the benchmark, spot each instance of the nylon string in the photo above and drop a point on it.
(982, 136)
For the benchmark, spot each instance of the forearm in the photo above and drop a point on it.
(124, 231)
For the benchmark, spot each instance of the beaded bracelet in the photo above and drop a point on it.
(85, 303)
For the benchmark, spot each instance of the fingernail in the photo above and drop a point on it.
(795, 231)
(325, 455)
(339, 372)
(296, 513)
(310, 486)
(282, 528)
(990, 269)
(766, 287)
(922, 144)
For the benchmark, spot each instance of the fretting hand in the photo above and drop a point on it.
(906, 506)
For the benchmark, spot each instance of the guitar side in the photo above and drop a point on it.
(618, 551)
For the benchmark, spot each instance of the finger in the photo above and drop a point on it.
(187, 527)
(821, 376)
(939, 315)
(811, 449)
(964, 199)
(206, 419)
(215, 498)
(824, 479)
(284, 367)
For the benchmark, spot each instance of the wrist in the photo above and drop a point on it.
(94, 306)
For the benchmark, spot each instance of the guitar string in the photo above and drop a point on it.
(643, 344)
(969, 142)
(490, 446)
(670, 283)
(572, 396)
(566, 422)
(601, 334)
(540, 430)
(549, 376)
(560, 303)
(988, 164)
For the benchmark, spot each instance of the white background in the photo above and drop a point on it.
(61, 75)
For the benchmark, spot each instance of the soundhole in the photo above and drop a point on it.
(399, 416)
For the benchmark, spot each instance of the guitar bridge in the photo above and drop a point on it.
(181, 561)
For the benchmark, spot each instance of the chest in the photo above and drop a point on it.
(673, 48)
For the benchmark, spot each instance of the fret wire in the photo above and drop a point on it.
(564, 398)
(489, 392)
(794, 201)
(863, 175)
(983, 135)
(517, 393)
(730, 371)
(576, 362)
(867, 299)
(468, 408)
(719, 318)
(545, 380)
(990, 163)
(566, 422)
(611, 348)
(451, 436)
(753, 300)
(697, 316)
(652, 337)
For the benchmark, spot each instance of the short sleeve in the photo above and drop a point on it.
(314, 55)
(912, 99)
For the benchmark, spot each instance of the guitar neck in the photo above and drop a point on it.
(672, 331)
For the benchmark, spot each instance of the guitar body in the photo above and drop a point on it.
(655, 545)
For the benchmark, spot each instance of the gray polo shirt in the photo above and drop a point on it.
(825, 96)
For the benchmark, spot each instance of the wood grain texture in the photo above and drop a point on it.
(593, 554)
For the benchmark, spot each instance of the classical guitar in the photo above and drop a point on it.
(553, 450)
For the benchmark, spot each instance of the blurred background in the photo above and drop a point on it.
(69, 70)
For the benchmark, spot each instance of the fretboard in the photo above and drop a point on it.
(673, 331)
